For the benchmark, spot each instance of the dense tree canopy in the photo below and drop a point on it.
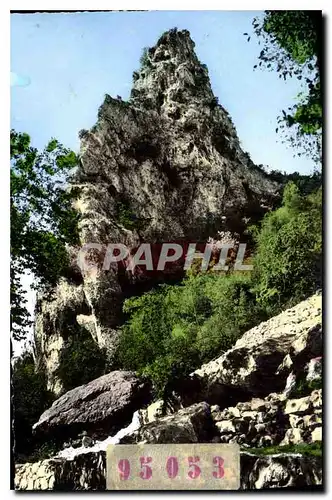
(42, 218)
(292, 46)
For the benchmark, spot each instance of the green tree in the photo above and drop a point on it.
(42, 218)
(292, 46)
(288, 258)
(30, 398)
(306, 183)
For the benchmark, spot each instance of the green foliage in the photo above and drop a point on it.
(144, 59)
(135, 76)
(81, 362)
(172, 330)
(287, 264)
(214, 103)
(29, 399)
(292, 46)
(305, 183)
(308, 450)
(125, 215)
(42, 218)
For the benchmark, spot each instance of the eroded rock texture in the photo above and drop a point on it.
(262, 359)
(165, 166)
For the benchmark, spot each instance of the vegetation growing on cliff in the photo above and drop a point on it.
(307, 450)
(178, 327)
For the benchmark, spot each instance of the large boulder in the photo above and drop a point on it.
(261, 360)
(101, 407)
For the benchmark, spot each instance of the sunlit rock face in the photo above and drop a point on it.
(166, 165)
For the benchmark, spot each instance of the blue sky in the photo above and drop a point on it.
(65, 63)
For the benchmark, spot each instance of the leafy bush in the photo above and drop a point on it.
(304, 388)
(125, 215)
(173, 329)
(287, 264)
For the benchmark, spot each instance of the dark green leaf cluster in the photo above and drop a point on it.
(305, 388)
(306, 183)
(144, 59)
(30, 398)
(125, 216)
(43, 220)
(292, 46)
(288, 258)
(81, 362)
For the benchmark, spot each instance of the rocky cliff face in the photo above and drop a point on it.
(166, 165)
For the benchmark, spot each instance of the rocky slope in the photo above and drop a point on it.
(279, 432)
(166, 165)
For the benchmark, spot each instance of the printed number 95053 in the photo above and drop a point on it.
(171, 468)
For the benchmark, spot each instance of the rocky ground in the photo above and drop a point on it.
(279, 431)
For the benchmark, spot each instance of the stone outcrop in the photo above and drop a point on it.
(190, 425)
(262, 359)
(280, 471)
(99, 408)
(165, 166)
(55, 326)
(272, 421)
(85, 472)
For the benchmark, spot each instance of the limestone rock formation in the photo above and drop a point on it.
(280, 471)
(100, 407)
(165, 166)
(262, 359)
(190, 425)
(271, 421)
(56, 324)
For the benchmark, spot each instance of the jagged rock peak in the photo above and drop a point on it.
(171, 72)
